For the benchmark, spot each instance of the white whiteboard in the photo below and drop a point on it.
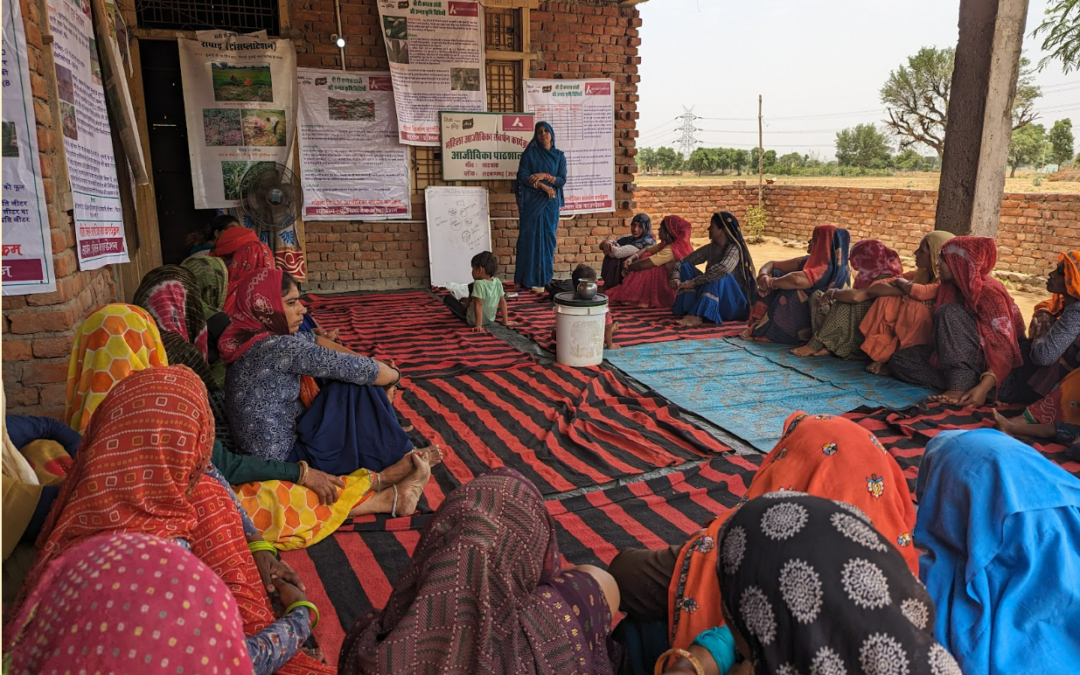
(458, 227)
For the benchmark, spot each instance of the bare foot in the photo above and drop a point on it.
(805, 350)
(611, 345)
(1013, 427)
(879, 368)
(395, 473)
(432, 454)
(746, 334)
(411, 489)
(691, 320)
(948, 398)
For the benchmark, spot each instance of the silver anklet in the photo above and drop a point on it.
(378, 482)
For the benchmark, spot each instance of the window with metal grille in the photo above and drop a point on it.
(502, 32)
(242, 16)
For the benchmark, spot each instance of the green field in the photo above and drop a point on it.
(243, 84)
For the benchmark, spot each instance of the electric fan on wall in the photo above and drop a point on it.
(270, 198)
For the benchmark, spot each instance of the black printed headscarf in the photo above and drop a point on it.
(814, 588)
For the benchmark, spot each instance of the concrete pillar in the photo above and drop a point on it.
(980, 115)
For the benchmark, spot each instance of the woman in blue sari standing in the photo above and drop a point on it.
(540, 180)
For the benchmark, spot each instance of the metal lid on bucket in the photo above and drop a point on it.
(570, 299)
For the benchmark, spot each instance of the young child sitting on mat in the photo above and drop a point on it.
(486, 295)
(585, 273)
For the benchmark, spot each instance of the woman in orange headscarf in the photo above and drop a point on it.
(646, 282)
(822, 455)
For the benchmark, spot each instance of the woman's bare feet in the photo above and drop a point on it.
(406, 492)
(691, 320)
(879, 368)
(746, 334)
(948, 398)
(806, 350)
(1013, 427)
(395, 473)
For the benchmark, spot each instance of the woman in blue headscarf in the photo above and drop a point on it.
(1002, 527)
(540, 180)
(616, 251)
(782, 311)
(728, 286)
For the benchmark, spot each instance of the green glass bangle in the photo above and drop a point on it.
(309, 605)
(256, 546)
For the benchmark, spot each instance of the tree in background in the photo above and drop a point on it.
(1062, 30)
(723, 159)
(908, 160)
(739, 160)
(646, 159)
(917, 97)
(768, 160)
(702, 160)
(1061, 141)
(790, 161)
(668, 160)
(862, 145)
(1028, 147)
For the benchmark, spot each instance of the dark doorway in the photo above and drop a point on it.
(164, 92)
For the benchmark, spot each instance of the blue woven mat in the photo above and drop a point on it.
(749, 388)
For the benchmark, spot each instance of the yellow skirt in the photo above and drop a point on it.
(290, 516)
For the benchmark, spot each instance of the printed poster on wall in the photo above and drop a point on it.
(239, 96)
(352, 165)
(582, 113)
(483, 146)
(27, 254)
(84, 121)
(436, 52)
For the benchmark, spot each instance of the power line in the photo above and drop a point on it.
(687, 140)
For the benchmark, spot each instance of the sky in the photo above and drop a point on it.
(818, 66)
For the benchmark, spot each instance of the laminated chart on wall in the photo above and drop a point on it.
(351, 163)
(27, 264)
(582, 114)
(436, 53)
(483, 146)
(240, 103)
(458, 227)
(84, 121)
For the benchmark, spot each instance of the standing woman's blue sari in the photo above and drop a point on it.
(538, 213)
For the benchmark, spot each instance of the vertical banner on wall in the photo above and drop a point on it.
(352, 165)
(84, 121)
(582, 114)
(239, 98)
(436, 53)
(483, 146)
(27, 263)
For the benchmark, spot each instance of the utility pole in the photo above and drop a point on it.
(687, 141)
(760, 157)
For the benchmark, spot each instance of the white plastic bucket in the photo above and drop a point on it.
(579, 334)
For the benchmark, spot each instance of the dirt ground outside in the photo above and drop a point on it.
(1024, 182)
(773, 249)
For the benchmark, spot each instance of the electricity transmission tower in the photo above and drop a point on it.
(687, 141)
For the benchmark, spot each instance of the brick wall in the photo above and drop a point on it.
(38, 329)
(1032, 231)
(571, 39)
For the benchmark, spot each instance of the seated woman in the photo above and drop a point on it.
(169, 581)
(202, 241)
(112, 342)
(836, 313)
(725, 290)
(977, 328)
(350, 423)
(152, 476)
(172, 296)
(617, 250)
(782, 311)
(37, 454)
(1001, 524)
(826, 456)
(645, 282)
(242, 252)
(902, 315)
(212, 278)
(808, 588)
(486, 577)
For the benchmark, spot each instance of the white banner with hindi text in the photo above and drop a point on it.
(483, 146)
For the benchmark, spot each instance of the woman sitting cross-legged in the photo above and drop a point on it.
(144, 467)
(646, 283)
(781, 313)
(616, 251)
(725, 290)
(902, 316)
(807, 589)
(485, 593)
(977, 328)
(349, 424)
(837, 313)
(671, 596)
(1001, 525)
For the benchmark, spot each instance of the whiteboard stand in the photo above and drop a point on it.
(458, 227)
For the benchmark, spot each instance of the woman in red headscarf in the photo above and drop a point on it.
(646, 282)
(836, 313)
(243, 253)
(977, 329)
